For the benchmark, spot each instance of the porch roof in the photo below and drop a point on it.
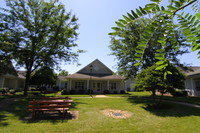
(193, 71)
(94, 76)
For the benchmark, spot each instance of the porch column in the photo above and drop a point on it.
(122, 86)
(192, 86)
(88, 83)
(108, 85)
(2, 84)
(70, 84)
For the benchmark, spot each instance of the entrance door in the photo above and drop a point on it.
(97, 86)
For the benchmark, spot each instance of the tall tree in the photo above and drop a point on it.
(38, 33)
(63, 73)
(43, 76)
(153, 80)
(125, 42)
(166, 17)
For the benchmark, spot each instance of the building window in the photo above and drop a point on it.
(79, 85)
(65, 84)
(113, 86)
(197, 83)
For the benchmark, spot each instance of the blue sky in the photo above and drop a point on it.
(96, 17)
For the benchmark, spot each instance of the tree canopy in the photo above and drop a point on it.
(166, 17)
(43, 76)
(63, 73)
(153, 80)
(125, 42)
(37, 33)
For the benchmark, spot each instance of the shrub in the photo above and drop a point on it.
(64, 92)
(178, 93)
(33, 89)
(89, 91)
(115, 92)
(55, 88)
(72, 92)
(81, 91)
(122, 92)
(106, 92)
(12, 91)
(43, 88)
(3, 90)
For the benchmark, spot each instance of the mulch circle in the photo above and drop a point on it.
(118, 114)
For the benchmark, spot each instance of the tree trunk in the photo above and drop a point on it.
(27, 81)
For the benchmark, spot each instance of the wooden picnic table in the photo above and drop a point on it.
(51, 101)
(40, 106)
(55, 98)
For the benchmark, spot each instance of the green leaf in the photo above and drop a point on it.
(168, 12)
(123, 21)
(163, 8)
(156, 0)
(177, 48)
(130, 16)
(198, 15)
(139, 59)
(171, 7)
(142, 10)
(165, 75)
(137, 64)
(134, 14)
(160, 50)
(126, 18)
(138, 12)
(160, 62)
(168, 72)
(116, 28)
(159, 58)
(119, 24)
(113, 33)
(160, 67)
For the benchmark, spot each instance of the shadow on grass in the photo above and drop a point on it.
(2, 119)
(18, 111)
(164, 109)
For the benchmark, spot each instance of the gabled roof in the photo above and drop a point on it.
(96, 68)
(98, 71)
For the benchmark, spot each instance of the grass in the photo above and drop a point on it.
(193, 100)
(176, 119)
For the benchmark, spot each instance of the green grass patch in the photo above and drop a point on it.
(176, 119)
(193, 100)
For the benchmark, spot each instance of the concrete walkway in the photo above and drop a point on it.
(100, 96)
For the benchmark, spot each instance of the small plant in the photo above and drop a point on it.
(72, 92)
(106, 92)
(122, 92)
(115, 92)
(81, 91)
(64, 92)
(12, 91)
(55, 88)
(89, 91)
(3, 90)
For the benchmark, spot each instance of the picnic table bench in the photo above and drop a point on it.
(56, 98)
(38, 107)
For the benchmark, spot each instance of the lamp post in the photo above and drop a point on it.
(91, 79)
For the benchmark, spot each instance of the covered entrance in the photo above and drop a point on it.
(97, 87)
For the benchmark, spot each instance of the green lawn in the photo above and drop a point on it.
(194, 100)
(176, 119)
